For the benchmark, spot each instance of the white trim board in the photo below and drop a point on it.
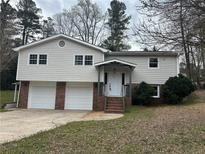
(115, 60)
(58, 36)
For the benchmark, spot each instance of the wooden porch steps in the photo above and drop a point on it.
(114, 105)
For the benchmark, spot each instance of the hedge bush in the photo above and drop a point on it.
(142, 94)
(176, 88)
(203, 86)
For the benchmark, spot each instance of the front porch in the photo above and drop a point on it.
(114, 88)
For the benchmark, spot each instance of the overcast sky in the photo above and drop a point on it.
(51, 7)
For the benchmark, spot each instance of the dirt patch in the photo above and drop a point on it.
(101, 116)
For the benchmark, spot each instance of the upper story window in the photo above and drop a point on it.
(79, 60)
(33, 58)
(88, 60)
(153, 63)
(43, 59)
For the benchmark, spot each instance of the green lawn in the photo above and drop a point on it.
(6, 97)
(162, 129)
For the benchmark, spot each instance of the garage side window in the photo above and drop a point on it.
(79, 60)
(43, 59)
(33, 59)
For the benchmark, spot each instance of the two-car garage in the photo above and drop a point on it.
(78, 96)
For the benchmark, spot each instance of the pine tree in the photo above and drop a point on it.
(7, 31)
(117, 25)
(154, 49)
(27, 12)
(48, 27)
(146, 50)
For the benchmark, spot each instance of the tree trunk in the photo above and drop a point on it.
(24, 35)
(196, 67)
(184, 42)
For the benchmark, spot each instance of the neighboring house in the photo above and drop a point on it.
(61, 72)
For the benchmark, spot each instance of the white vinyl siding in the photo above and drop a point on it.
(168, 68)
(61, 63)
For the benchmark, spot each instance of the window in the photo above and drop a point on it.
(153, 63)
(105, 78)
(43, 59)
(78, 60)
(156, 93)
(123, 78)
(88, 60)
(33, 59)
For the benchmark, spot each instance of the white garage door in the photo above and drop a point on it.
(42, 95)
(79, 96)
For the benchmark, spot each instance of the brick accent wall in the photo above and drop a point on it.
(60, 95)
(23, 97)
(98, 101)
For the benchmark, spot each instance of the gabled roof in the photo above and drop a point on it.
(143, 53)
(115, 61)
(60, 36)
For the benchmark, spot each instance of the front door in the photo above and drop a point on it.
(114, 83)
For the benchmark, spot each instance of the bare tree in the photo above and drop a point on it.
(63, 23)
(172, 24)
(84, 21)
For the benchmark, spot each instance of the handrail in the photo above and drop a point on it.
(105, 96)
(105, 90)
(123, 96)
(105, 103)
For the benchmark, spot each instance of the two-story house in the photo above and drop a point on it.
(61, 72)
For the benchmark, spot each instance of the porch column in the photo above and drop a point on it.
(99, 80)
(130, 82)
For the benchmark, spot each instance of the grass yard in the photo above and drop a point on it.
(6, 96)
(162, 129)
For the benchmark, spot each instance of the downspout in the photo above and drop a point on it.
(178, 66)
(130, 82)
(14, 100)
(99, 81)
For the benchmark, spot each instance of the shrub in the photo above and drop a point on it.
(203, 86)
(143, 94)
(176, 88)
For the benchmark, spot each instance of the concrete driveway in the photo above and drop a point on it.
(17, 124)
(20, 123)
